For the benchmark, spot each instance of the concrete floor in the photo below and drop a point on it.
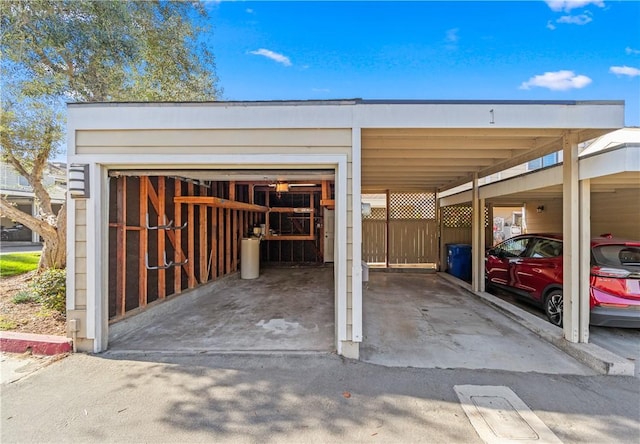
(410, 320)
(284, 309)
(422, 320)
(625, 342)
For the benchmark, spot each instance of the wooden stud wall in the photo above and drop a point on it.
(180, 234)
(206, 248)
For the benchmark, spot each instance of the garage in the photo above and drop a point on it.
(270, 232)
(225, 168)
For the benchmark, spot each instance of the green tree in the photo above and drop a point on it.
(55, 52)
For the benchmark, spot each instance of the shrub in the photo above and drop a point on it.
(25, 297)
(50, 288)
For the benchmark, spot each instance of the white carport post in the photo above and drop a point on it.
(477, 238)
(585, 258)
(356, 223)
(571, 238)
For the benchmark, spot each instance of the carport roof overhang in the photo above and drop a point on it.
(608, 170)
(442, 145)
(404, 144)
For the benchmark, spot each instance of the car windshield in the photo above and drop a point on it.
(513, 247)
(623, 256)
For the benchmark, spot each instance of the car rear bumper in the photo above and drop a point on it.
(615, 317)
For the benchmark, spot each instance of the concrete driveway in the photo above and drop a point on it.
(422, 320)
(624, 342)
(410, 320)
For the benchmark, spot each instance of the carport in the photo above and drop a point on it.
(396, 148)
(608, 202)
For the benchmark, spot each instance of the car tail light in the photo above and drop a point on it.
(614, 281)
(610, 272)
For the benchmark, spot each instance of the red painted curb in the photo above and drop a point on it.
(15, 342)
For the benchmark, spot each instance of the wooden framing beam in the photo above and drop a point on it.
(221, 230)
(220, 203)
(234, 227)
(290, 237)
(213, 259)
(191, 244)
(143, 243)
(177, 241)
(291, 210)
(326, 190)
(162, 193)
(203, 232)
(175, 237)
(227, 242)
(221, 241)
(292, 190)
(121, 249)
(330, 203)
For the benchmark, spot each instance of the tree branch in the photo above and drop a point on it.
(13, 160)
(33, 223)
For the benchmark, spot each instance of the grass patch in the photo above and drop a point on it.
(7, 324)
(13, 264)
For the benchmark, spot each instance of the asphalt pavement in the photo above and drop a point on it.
(294, 398)
(19, 247)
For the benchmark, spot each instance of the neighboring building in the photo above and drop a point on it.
(16, 189)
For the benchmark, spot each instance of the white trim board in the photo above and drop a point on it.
(97, 209)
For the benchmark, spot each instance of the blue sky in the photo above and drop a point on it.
(526, 50)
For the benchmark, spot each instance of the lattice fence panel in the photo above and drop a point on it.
(460, 216)
(412, 206)
(377, 214)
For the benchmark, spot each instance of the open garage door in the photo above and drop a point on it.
(180, 232)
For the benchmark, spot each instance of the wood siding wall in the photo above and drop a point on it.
(547, 221)
(616, 213)
(81, 255)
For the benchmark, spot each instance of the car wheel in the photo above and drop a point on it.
(553, 307)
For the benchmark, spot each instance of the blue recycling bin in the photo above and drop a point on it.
(459, 261)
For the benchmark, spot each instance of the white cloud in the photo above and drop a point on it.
(568, 5)
(625, 71)
(272, 55)
(581, 19)
(249, 11)
(452, 35)
(629, 50)
(557, 81)
(550, 25)
(451, 39)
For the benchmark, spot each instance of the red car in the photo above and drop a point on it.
(530, 266)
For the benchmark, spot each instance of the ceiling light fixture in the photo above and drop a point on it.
(281, 187)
